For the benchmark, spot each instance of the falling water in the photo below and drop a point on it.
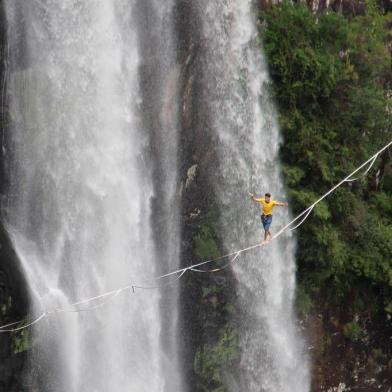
(93, 142)
(243, 120)
(160, 80)
(79, 205)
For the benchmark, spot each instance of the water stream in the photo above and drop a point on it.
(80, 210)
(243, 121)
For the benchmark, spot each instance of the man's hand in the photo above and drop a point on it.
(286, 204)
(252, 196)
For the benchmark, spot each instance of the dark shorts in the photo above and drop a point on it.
(266, 220)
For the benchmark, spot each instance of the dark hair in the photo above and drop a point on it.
(268, 195)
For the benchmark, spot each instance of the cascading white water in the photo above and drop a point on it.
(79, 211)
(79, 201)
(243, 121)
(160, 86)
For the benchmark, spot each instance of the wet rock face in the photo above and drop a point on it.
(13, 295)
(349, 351)
(13, 307)
(347, 7)
(205, 298)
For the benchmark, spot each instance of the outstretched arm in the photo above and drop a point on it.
(282, 204)
(252, 196)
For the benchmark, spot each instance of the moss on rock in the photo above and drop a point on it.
(214, 359)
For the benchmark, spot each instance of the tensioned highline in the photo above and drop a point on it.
(194, 267)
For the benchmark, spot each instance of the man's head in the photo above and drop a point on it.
(267, 197)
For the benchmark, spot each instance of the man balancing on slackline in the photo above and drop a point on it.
(267, 205)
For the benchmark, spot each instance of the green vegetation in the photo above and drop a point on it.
(206, 240)
(211, 361)
(330, 81)
(20, 341)
(6, 306)
(353, 331)
(303, 301)
(206, 246)
(214, 311)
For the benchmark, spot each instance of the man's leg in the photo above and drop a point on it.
(267, 225)
(265, 230)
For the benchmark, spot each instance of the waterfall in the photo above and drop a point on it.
(243, 122)
(80, 207)
(160, 80)
(94, 107)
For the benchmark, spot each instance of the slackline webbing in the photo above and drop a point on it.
(106, 297)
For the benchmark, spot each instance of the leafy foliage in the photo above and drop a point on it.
(303, 300)
(21, 341)
(353, 331)
(206, 246)
(211, 361)
(330, 80)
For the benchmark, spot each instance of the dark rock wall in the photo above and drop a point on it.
(204, 297)
(13, 306)
(344, 348)
(13, 293)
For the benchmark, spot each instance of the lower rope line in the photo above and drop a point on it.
(366, 171)
(303, 220)
(217, 269)
(37, 320)
(195, 267)
(162, 285)
(109, 293)
(14, 323)
(98, 306)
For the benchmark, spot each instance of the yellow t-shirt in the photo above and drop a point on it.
(266, 208)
